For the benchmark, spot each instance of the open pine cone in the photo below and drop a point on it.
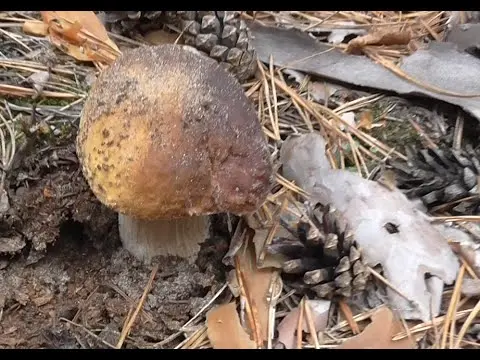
(324, 260)
(441, 176)
(222, 35)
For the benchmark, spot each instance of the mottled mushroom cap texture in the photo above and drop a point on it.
(168, 133)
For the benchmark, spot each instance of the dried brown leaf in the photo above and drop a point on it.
(259, 240)
(288, 326)
(224, 329)
(379, 333)
(322, 91)
(256, 283)
(366, 120)
(35, 27)
(81, 35)
(384, 37)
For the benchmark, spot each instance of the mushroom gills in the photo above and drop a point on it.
(179, 237)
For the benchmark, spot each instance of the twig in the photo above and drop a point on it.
(204, 307)
(310, 323)
(347, 313)
(452, 308)
(387, 283)
(467, 323)
(458, 133)
(251, 309)
(88, 332)
(300, 324)
(127, 328)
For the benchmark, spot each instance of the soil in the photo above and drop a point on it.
(62, 264)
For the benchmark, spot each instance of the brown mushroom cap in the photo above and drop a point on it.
(167, 133)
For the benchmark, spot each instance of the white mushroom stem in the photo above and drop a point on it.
(179, 237)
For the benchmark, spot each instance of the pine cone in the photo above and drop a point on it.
(222, 35)
(440, 177)
(324, 260)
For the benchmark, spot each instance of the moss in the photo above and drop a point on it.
(28, 101)
(55, 102)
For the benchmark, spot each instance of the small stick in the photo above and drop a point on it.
(127, 328)
(347, 313)
(422, 134)
(452, 307)
(249, 307)
(458, 132)
(311, 325)
(88, 332)
(300, 324)
(387, 283)
(219, 292)
(467, 323)
(466, 259)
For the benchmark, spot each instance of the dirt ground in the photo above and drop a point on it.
(69, 265)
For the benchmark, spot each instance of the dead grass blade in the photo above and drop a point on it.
(449, 320)
(466, 325)
(12, 90)
(310, 323)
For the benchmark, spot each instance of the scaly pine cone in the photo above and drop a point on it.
(324, 260)
(440, 176)
(222, 35)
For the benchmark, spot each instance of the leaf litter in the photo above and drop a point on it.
(284, 108)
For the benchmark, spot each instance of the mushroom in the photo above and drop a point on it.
(167, 137)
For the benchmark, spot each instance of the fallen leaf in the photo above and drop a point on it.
(379, 333)
(159, 37)
(35, 27)
(471, 287)
(366, 120)
(406, 256)
(256, 284)
(384, 37)
(322, 91)
(224, 329)
(232, 283)
(81, 35)
(349, 118)
(434, 66)
(288, 326)
(260, 235)
(297, 76)
(338, 35)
